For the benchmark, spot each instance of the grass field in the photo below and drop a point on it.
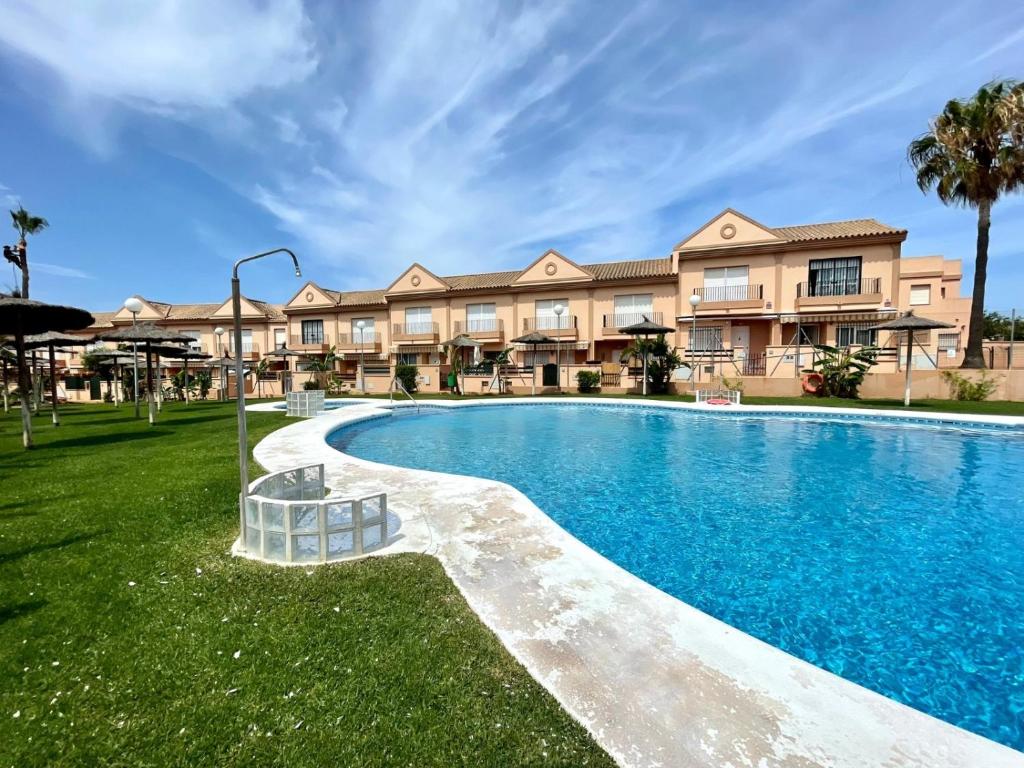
(128, 635)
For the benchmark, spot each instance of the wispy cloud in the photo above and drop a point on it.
(58, 270)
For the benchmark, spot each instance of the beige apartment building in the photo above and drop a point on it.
(745, 299)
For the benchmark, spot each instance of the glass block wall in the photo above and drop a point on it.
(306, 403)
(288, 519)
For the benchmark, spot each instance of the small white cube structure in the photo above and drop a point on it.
(718, 396)
(307, 403)
(288, 519)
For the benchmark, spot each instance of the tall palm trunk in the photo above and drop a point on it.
(974, 357)
(23, 245)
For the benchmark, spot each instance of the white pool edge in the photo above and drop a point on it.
(588, 630)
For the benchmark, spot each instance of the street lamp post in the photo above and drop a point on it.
(134, 306)
(558, 310)
(362, 375)
(243, 440)
(223, 393)
(694, 303)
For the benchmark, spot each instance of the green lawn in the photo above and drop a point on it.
(988, 407)
(128, 635)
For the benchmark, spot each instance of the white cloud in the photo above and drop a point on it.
(59, 271)
(164, 56)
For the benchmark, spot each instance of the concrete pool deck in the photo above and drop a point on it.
(657, 682)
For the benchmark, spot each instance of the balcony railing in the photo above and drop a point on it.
(310, 341)
(556, 327)
(367, 341)
(611, 323)
(828, 288)
(414, 331)
(249, 351)
(727, 293)
(488, 327)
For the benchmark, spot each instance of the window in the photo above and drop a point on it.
(808, 335)
(726, 283)
(408, 358)
(481, 317)
(856, 335)
(949, 342)
(247, 345)
(707, 339)
(312, 331)
(632, 307)
(834, 277)
(920, 295)
(280, 338)
(546, 317)
(418, 320)
(196, 345)
(368, 331)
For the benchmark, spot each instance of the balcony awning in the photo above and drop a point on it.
(403, 348)
(580, 345)
(880, 315)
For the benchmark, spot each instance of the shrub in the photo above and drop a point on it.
(841, 370)
(588, 381)
(407, 374)
(311, 384)
(963, 388)
(734, 384)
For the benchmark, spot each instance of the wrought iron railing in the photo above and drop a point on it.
(841, 287)
(415, 329)
(720, 293)
(309, 340)
(545, 323)
(482, 325)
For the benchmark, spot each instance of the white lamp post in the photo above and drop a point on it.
(558, 310)
(223, 394)
(134, 306)
(243, 439)
(362, 376)
(694, 303)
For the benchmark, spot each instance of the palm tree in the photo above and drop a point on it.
(972, 154)
(322, 366)
(261, 370)
(26, 224)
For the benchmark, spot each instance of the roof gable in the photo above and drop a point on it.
(311, 295)
(248, 309)
(151, 310)
(729, 229)
(417, 279)
(552, 267)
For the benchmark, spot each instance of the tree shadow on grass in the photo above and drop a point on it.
(200, 418)
(105, 439)
(67, 541)
(16, 611)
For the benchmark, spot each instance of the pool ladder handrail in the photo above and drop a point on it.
(395, 381)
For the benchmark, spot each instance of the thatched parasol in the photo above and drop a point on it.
(20, 317)
(910, 322)
(184, 354)
(148, 334)
(116, 359)
(462, 342)
(50, 340)
(534, 338)
(646, 328)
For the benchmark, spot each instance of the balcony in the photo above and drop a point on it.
(750, 296)
(368, 341)
(839, 292)
(610, 324)
(249, 351)
(484, 329)
(317, 343)
(415, 332)
(563, 327)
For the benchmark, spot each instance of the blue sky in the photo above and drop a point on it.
(165, 139)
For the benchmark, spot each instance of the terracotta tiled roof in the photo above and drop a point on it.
(188, 311)
(629, 270)
(356, 298)
(481, 280)
(272, 311)
(102, 320)
(836, 230)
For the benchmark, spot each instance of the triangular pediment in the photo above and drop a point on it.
(247, 307)
(727, 230)
(417, 279)
(310, 295)
(552, 267)
(149, 311)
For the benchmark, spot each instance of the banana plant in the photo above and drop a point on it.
(842, 370)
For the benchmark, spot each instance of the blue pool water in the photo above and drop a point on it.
(892, 555)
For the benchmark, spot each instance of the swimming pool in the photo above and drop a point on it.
(890, 554)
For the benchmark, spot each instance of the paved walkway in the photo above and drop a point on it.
(657, 682)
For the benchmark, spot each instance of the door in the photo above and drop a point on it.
(740, 341)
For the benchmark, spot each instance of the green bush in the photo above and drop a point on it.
(963, 388)
(312, 384)
(588, 381)
(842, 371)
(407, 374)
